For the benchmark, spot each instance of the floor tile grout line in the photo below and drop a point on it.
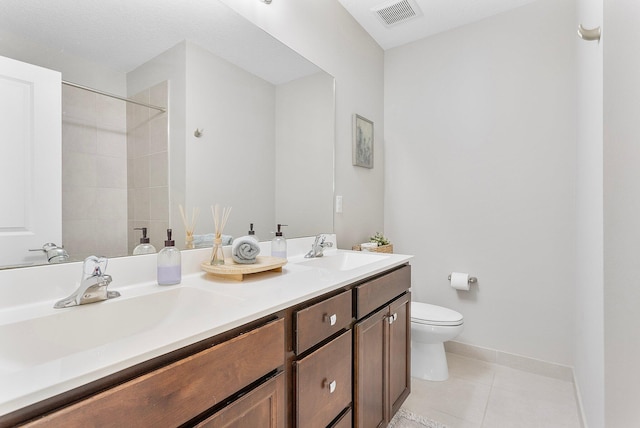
(486, 405)
(452, 414)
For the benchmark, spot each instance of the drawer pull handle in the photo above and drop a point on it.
(331, 385)
(332, 319)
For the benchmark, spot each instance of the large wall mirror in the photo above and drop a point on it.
(243, 121)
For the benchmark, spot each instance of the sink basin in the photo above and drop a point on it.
(62, 332)
(343, 260)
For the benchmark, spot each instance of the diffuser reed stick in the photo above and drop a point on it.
(189, 227)
(220, 217)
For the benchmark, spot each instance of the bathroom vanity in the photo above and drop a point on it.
(313, 346)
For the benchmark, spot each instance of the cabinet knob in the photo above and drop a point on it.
(331, 385)
(331, 319)
(392, 318)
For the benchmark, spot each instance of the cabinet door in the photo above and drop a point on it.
(324, 383)
(262, 407)
(370, 373)
(399, 352)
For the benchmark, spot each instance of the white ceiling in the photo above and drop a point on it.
(126, 33)
(437, 16)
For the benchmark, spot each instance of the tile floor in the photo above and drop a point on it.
(484, 395)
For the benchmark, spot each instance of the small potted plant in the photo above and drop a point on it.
(384, 246)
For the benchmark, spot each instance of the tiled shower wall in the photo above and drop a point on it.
(115, 172)
(94, 174)
(148, 177)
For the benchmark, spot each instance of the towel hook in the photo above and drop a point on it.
(589, 35)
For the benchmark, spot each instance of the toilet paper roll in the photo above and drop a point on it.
(460, 281)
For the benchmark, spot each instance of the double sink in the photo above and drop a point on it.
(107, 334)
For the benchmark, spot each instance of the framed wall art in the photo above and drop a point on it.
(362, 142)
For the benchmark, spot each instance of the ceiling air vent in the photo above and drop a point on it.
(396, 12)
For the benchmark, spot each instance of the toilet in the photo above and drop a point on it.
(431, 326)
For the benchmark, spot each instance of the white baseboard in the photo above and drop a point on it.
(527, 364)
(581, 414)
(531, 365)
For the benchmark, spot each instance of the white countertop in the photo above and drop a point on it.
(200, 307)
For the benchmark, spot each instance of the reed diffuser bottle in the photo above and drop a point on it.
(219, 220)
(189, 226)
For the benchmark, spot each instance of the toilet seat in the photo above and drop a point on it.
(424, 313)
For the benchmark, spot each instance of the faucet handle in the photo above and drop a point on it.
(94, 266)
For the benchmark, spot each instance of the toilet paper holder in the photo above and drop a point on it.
(472, 279)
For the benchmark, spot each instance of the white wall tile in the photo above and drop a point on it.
(158, 167)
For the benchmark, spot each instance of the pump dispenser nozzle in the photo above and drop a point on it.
(169, 242)
(144, 247)
(144, 239)
(279, 232)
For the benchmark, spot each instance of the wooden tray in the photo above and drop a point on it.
(237, 271)
(380, 249)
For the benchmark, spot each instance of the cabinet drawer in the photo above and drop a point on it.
(317, 322)
(323, 383)
(174, 394)
(262, 407)
(373, 294)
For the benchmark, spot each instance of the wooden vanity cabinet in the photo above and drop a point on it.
(181, 391)
(382, 340)
(322, 366)
(338, 360)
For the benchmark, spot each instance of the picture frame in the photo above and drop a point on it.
(362, 142)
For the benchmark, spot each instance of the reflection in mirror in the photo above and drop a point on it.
(249, 123)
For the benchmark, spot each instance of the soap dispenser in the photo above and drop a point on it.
(144, 247)
(279, 244)
(169, 263)
(252, 233)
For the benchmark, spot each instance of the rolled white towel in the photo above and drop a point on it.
(245, 249)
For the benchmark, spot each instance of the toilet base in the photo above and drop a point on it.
(429, 361)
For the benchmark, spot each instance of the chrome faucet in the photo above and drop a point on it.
(54, 253)
(318, 246)
(93, 286)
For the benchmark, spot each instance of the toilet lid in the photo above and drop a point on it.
(424, 313)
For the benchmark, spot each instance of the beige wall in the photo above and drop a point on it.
(589, 332)
(621, 212)
(232, 163)
(480, 174)
(304, 154)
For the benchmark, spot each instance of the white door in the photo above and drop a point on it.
(30, 161)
